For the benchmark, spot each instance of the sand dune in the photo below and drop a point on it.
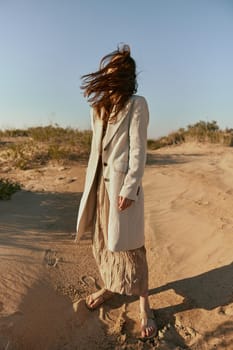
(189, 239)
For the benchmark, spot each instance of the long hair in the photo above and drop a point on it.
(110, 87)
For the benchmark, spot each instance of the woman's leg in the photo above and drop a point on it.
(148, 324)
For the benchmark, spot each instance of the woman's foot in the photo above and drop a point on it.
(96, 299)
(148, 325)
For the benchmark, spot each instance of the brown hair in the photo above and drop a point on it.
(113, 84)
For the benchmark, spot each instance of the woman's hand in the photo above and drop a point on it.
(124, 203)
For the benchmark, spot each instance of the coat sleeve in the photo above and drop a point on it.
(137, 149)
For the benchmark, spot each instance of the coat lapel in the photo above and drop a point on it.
(113, 127)
(98, 130)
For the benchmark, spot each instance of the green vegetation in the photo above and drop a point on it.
(199, 132)
(8, 188)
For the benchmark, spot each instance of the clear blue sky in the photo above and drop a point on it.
(183, 50)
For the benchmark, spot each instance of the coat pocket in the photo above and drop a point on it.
(121, 166)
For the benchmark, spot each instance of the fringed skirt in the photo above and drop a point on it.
(124, 272)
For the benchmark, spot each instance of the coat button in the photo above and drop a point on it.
(106, 179)
(105, 164)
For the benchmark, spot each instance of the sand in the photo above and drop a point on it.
(45, 276)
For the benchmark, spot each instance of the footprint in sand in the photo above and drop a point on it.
(89, 281)
(50, 258)
(226, 223)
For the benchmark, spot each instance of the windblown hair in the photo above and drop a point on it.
(111, 86)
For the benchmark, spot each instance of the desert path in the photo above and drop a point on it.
(189, 239)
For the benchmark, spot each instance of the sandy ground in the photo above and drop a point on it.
(189, 238)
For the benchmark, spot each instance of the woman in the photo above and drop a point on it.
(112, 205)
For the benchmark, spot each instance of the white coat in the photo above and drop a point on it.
(123, 157)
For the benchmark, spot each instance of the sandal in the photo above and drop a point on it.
(96, 299)
(148, 325)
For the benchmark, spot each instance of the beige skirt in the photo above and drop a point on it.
(123, 272)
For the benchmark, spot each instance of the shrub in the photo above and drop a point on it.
(154, 144)
(44, 144)
(201, 132)
(8, 188)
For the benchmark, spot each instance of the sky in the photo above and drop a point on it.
(183, 50)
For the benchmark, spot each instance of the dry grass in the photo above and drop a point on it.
(33, 147)
(199, 132)
(36, 146)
